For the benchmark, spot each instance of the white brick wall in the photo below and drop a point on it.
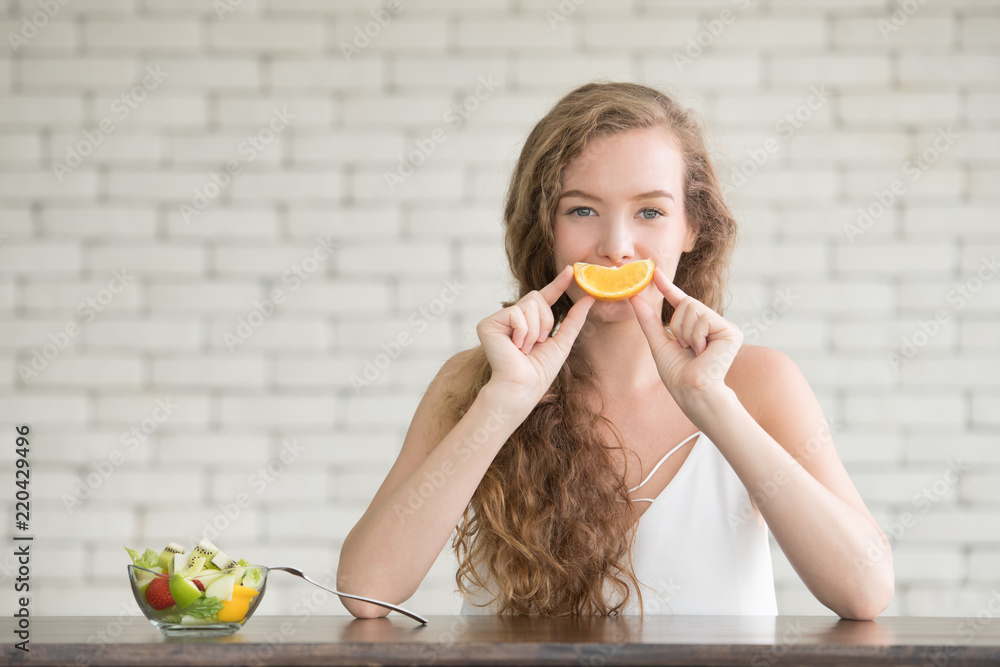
(166, 335)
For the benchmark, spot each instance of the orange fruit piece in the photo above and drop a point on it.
(235, 610)
(613, 283)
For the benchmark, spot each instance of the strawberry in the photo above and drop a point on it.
(158, 593)
(201, 586)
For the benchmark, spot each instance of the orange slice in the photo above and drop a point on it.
(611, 283)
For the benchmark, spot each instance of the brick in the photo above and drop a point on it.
(707, 71)
(58, 258)
(209, 372)
(341, 297)
(363, 110)
(610, 33)
(16, 222)
(159, 35)
(215, 72)
(379, 408)
(794, 186)
(474, 147)
(847, 373)
(910, 490)
(168, 186)
(312, 74)
(53, 37)
(226, 223)
(980, 488)
(769, 259)
(972, 526)
(986, 409)
(41, 109)
(278, 411)
(772, 110)
(894, 259)
(109, 524)
(978, 146)
(923, 563)
(163, 108)
(144, 335)
(955, 372)
(310, 372)
(404, 33)
(770, 33)
(25, 185)
(32, 334)
(160, 259)
(273, 334)
(876, 445)
(979, 32)
(379, 146)
(142, 411)
(365, 336)
(982, 106)
(933, 32)
(466, 296)
(983, 183)
(948, 69)
(979, 336)
(291, 524)
(359, 486)
(411, 258)
(375, 220)
(23, 150)
(834, 70)
(853, 146)
(216, 150)
(952, 444)
(984, 564)
(79, 72)
(91, 372)
(281, 36)
(288, 487)
(899, 107)
(482, 259)
(257, 112)
(427, 183)
(433, 221)
(212, 448)
(276, 261)
(288, 185)
(522, 34)
(564, 72)
(46, 409)
(203, 297)
(441, 71)
(91, 8)
(117, 148)
(98, 221)
(348, 448)
(909, 409)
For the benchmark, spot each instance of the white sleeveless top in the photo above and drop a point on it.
(698, 546)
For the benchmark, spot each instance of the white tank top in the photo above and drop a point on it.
(698, 547)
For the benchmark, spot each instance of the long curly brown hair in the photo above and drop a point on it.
(552, 522)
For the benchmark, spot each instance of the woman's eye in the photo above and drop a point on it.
(654, 211)
(576, 211)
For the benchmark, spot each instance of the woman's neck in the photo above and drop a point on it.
(620, 356)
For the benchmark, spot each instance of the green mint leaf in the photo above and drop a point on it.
(204, 607)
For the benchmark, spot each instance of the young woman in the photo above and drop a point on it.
(632, 460)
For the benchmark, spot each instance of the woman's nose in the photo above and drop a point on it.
(616, 242)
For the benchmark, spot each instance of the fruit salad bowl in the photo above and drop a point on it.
(182, 597)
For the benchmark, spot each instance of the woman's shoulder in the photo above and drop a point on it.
(765, 379)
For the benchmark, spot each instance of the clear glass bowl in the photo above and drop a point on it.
(173, 621)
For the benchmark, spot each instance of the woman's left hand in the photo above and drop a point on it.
(693, 362)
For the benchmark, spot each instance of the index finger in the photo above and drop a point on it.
(554, 289)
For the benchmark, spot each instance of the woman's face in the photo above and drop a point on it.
(623, 200)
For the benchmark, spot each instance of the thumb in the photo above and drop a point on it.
(651, 325)
(573, 323)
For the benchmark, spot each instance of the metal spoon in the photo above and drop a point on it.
(299, 573)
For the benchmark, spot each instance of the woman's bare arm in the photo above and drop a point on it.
(394, 544)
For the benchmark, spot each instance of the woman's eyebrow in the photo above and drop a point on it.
(652, 194)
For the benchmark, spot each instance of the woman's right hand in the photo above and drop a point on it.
(516, 339)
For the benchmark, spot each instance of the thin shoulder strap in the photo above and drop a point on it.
(665, 457)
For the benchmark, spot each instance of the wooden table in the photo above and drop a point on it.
(490, 640)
